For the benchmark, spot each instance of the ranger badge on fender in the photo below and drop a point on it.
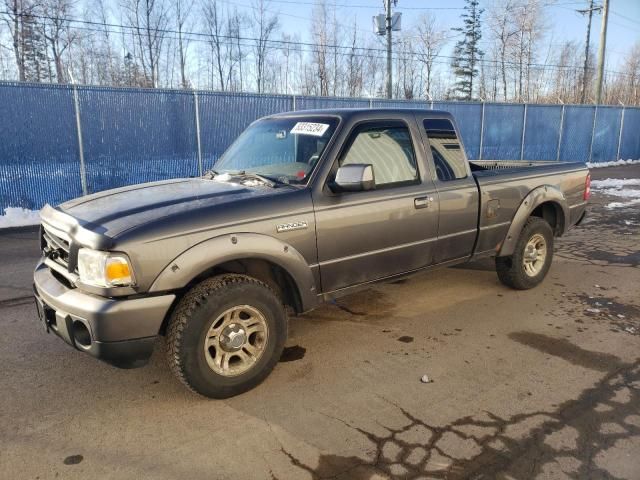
(287, 227)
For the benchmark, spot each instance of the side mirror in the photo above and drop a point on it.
(355, 177)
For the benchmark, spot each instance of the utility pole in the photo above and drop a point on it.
(389, 47)
(384, 24)
(588, 11)
(601, 50)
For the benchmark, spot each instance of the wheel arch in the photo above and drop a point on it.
(547, 202)
(272, 261)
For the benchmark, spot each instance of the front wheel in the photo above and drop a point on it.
(226, 335)
(531, 258)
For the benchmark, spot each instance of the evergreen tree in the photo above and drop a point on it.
(467, 53)
(35, 63)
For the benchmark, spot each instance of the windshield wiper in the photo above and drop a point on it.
(256, 176)
(211, 173)
(271, 182)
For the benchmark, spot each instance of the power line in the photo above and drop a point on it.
(374, 7)
(635, 29)
(628, 19)
(369, 7)
(312, 46)
(285, 14)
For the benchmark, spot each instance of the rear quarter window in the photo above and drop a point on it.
(446, 150)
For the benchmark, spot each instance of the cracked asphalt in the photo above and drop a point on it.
(537, 384)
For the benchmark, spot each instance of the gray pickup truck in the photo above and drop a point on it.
(302, 208)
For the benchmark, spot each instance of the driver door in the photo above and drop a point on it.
(369, 235)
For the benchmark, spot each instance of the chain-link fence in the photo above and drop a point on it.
(60, 141)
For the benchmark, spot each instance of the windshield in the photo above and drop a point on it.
(283, 149)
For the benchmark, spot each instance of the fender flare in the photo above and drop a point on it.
(536, 197)
(215, 251)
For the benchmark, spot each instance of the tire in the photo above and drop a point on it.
(522, 273)
(245, 326)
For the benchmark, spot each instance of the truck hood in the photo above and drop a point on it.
(113, 212)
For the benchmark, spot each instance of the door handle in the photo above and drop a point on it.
(422, 202)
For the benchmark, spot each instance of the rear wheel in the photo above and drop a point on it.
(226, 335)
(531, 258)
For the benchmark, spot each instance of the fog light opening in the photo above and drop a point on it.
(81, 334)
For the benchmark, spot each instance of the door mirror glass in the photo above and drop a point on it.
(354, 177)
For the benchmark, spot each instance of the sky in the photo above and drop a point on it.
(565, 23)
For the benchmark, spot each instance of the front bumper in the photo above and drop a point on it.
(121, 332)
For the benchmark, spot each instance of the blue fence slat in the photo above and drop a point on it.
(469, 119)
(38, 146)
(133, 136)
(502, 132)
(223, 116)
(138, 135)
(576, 133)
(630, 147)
(542, 132)
(312, 103)
(606, 134)
(388, 103)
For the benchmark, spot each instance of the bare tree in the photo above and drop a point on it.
(504, 33)
(336, 38)
(530, 29)
(149, 20)
(288, 51)
(320, 35)
(566, 84)
(56, 31)
(355, 64)
(264, 26)
(109, 69)
(431, 39)
(407, 67)
(214, 25)
(182, 12)
(626, 88)
(237, 23)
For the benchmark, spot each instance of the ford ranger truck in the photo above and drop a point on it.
(302, 208)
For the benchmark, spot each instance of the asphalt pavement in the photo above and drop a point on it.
(543, 383)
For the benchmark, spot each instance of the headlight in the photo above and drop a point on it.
(104, 269)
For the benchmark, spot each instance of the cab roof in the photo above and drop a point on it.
(363, 113)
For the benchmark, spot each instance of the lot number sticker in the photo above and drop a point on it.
(309, 128)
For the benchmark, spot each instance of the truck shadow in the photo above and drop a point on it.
(573, 434)
(483, 265)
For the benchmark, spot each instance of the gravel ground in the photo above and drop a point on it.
(537, 384)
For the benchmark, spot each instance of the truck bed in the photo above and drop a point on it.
(490, 171)
(504, 184)
(493, 165)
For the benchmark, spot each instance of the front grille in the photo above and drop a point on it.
(56, 250)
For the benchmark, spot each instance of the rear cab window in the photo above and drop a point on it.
(448, 156)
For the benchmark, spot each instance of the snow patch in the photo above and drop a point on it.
(626, 188)
(615, 183)
(617, 192)
(623, 204)
(19, 217)
(612, 164)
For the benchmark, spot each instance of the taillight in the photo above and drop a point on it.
(587, 187)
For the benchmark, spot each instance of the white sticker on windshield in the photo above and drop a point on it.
(309, 128)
